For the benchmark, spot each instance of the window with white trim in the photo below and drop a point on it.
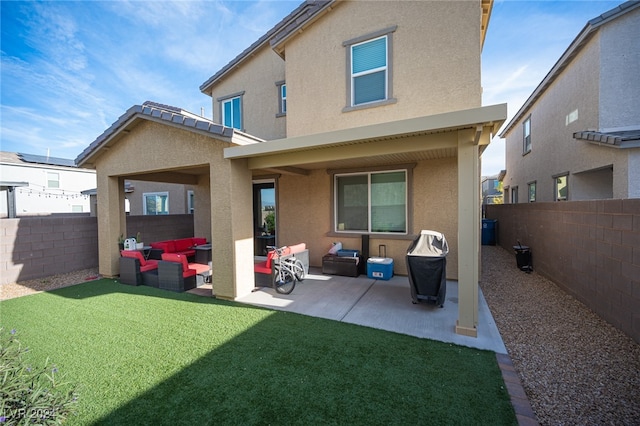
(232, 113)
(155, 203)
(373, 202)
(190, 201)
(526, 140)
(53, 180)
(561, 187)
(283, 99)
(532, 191)
(514, 195)
(231, 110)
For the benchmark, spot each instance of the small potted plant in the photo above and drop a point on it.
(121, 242)
(139, 243)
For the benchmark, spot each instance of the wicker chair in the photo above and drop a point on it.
(136, 270)
(175, 273)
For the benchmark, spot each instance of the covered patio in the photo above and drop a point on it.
(439, 155)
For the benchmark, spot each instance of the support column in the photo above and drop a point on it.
(232, 229)
(468, 233)
(112, 222)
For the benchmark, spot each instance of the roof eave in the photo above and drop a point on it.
(565, 59)
(489, 116)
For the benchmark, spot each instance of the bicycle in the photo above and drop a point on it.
(287, 271)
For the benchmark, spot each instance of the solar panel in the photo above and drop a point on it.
(42, 159)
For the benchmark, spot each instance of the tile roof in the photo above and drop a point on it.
(622, 139)
(567, 57)
(157, 112)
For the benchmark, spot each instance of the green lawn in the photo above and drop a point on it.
(146, 356)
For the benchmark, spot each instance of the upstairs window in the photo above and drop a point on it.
(526, 140)
(282, 98)
(53, 180)
(369, 69)
(231, 110)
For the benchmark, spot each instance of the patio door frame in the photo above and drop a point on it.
(257, 187)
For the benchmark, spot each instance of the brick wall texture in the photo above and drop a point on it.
(40, 246)
(591, 249)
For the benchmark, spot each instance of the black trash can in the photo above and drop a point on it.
(489, 232)
(427, 267)
(523, 257)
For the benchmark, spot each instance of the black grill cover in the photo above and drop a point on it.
(427, 266)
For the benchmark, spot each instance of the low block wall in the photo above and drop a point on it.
(41, 246)
(591, 249)
(161, 227)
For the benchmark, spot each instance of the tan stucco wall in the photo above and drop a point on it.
(153, 147)
(443, 76)
(553, 148)
(257, 77)
(304, 213)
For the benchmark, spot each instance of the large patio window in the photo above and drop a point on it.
(155, 203)
(371, 202)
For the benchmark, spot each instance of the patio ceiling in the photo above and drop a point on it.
(410, 140)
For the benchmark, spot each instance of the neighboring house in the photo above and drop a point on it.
(152, 198)
(348, 118)
(577, 137)
(35, 184)
(492, 189)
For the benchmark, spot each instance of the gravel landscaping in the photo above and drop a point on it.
(575, 368)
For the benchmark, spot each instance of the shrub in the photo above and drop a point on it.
(31, 395)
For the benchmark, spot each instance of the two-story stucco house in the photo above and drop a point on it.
(577, 137)
(352, 117)
(38, 184)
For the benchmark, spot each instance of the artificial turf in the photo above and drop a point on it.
(141, 355)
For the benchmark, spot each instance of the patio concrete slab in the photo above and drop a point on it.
(381, 304)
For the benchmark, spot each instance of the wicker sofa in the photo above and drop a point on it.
(179, 246)
(264, 270)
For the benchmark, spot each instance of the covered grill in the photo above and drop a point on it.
(427, 266)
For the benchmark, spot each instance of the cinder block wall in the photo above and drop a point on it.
(161, 227)
(591, 249)
(41, 246)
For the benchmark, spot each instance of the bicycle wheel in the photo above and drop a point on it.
(284, 282)
(298, 268)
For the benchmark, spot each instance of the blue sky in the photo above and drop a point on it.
(71, 68)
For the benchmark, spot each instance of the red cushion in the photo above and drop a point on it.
(150, 266)
(199, 268)
(166, 246)
(183, 244)
(135, 255)
(262, 268)
(178, 258)
(197, 241)
(270, 256)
